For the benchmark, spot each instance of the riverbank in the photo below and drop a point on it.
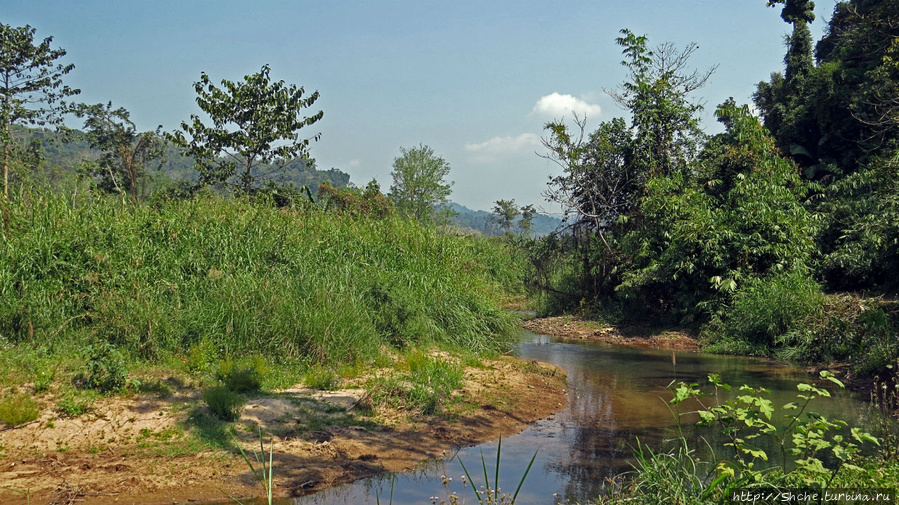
(164, 448)
(578, 328)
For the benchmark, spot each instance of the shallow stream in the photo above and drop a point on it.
(617, 396)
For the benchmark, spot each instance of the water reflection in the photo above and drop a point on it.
(617, 396)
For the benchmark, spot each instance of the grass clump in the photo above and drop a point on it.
(323, 378)
(18, 409)
(242, 377)
(225, 404)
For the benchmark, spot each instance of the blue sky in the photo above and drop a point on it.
(474, 80)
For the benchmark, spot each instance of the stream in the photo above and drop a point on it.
(617, 396)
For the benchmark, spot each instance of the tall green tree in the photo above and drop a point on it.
(31, 87)
(505, 212)
(657, 92)
(254, 133)
(122, 167)
(528, 212)
(419, 182)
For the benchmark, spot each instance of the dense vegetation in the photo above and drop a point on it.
(236, 276)
(752, 236)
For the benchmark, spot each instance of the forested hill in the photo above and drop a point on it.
(58, 160)
(485, 222)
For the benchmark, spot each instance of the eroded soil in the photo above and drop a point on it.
(150, 450)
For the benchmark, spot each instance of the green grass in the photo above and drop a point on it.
(18, 409)
(210, 279)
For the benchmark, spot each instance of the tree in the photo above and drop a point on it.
(656, 92)
(254, 132)
(528, 212)
(419, 182)
(31, 87)
(505, 212)
(126, 152)
(600, 183)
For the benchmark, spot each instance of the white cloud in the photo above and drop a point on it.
(505, 145)
(556, 105)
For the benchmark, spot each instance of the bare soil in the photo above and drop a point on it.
(147, 450)
(577, 328)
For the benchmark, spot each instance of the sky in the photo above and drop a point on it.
(474, 80)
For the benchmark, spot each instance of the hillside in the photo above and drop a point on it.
(484, 222)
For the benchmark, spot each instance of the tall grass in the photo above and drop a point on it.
(240, 277)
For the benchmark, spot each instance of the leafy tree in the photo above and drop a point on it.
(419, 182)
(528, 212)
(31, 87)
(255, 124)
(656, 92)
(738, 216)
(505, 212)
(600, 183)
(125, 151)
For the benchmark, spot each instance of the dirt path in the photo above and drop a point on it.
(148, 450)
(576, 328)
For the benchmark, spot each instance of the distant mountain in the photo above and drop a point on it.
(59, 160)
(484, 222)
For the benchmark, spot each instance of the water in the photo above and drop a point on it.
(617, 396)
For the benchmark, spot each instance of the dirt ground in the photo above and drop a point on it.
(144, 449)
(575, 328)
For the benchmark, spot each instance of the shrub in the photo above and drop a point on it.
(106, 370)
(18, 409)
(764, 310)
(242, 377)
(225, 404)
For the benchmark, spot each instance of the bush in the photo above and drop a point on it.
(106, 370)
(764, 310)
(242, 378)
(224, 403)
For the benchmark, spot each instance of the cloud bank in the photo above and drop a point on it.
(505, 145)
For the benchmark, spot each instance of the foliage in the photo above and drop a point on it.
(29, 75)
(811, 450)
(324, 378)
(18, 409)
(255, 124)
(528, 213)
(242, 377)
(762, 311)
(224, 403)
(106, 368)
(505, 212)
(369, 202)
(265, 474)
(741, 218)
(419, 183)
(837, 120)
(125, 152)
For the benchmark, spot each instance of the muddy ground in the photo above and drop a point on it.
(156, 449)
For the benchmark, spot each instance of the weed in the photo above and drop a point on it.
(492, 494)
(322, 378)
(224, 403)
(18, 409)
(265, 474)
(74, 404)
(106, 370)
(242, 377)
